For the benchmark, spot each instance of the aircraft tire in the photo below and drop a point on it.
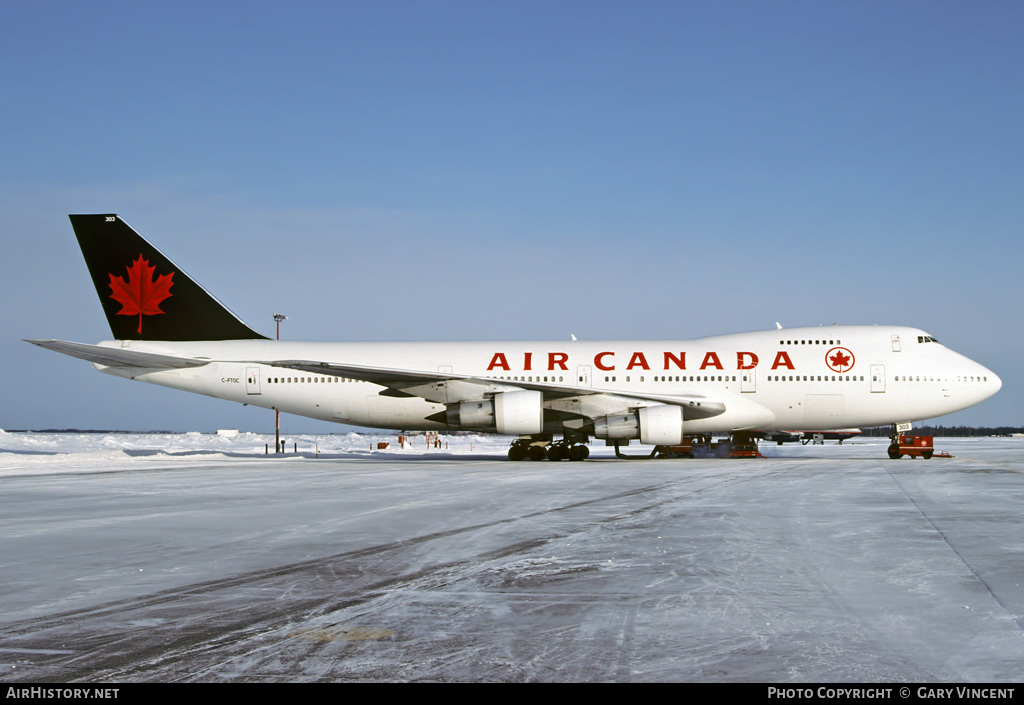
(536, 453)
(579, 453)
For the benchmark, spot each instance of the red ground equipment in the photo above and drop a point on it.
(915, 446)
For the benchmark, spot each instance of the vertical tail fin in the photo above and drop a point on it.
(144, 295)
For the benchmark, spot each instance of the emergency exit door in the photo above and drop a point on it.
(252, 380)
(748, 380)
(878, 378)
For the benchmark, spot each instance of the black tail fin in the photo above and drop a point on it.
(144, 294)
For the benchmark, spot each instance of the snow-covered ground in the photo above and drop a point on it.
(130, 557)
(27, 452)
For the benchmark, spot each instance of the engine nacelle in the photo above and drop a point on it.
(512, 413)
(471, 414)
(620, 427)
(519, 413)
(660, 425)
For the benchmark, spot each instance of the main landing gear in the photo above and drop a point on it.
(539, 449)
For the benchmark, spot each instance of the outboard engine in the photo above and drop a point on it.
(518, 413)
(660, 425)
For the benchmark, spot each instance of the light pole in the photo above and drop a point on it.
(278, 317)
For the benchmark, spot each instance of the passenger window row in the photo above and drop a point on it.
(307, 380)
(811, 378)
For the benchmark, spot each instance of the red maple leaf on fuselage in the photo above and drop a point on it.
(839, 360)
(141, 293)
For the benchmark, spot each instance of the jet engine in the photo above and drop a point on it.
(517, 413)
(660, 425)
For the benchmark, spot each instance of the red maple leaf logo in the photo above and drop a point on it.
(141, 293)
(840, 359)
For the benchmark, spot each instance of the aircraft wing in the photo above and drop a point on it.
(447, 388)
(118, 357)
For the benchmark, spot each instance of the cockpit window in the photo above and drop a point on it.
(926, 339)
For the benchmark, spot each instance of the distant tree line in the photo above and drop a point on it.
(949, 431)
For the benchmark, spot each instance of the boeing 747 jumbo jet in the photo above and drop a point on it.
(169, 331)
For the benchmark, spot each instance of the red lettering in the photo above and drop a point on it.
(638, 360)
(527, 361)
(600, 365)
(782, 360)
(680, 362)
(740, 361)
(499, 361)
(711, 360)
(558, 359)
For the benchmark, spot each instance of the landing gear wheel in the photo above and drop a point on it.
(556, 451)
(579, 453)
(517, 453)
(894, 451)
(535, 452)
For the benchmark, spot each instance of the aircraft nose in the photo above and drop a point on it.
(990, 382)
(995, 384)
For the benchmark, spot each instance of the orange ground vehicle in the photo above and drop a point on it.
(915, 446)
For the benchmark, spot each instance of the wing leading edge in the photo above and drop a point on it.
(436, 387)
(446, 388)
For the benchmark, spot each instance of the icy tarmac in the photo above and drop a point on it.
(129, 557)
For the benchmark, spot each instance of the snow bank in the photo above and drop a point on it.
(52, 453)
(41, 453)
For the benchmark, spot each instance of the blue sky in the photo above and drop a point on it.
(513, 170)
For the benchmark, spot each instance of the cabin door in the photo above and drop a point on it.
(878, 378)
(748, 381)
(252, 380)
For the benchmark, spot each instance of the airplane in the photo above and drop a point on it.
(170, 331)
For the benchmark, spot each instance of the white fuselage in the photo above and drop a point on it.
(799, 378)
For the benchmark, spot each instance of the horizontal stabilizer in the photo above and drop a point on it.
(118, 357)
